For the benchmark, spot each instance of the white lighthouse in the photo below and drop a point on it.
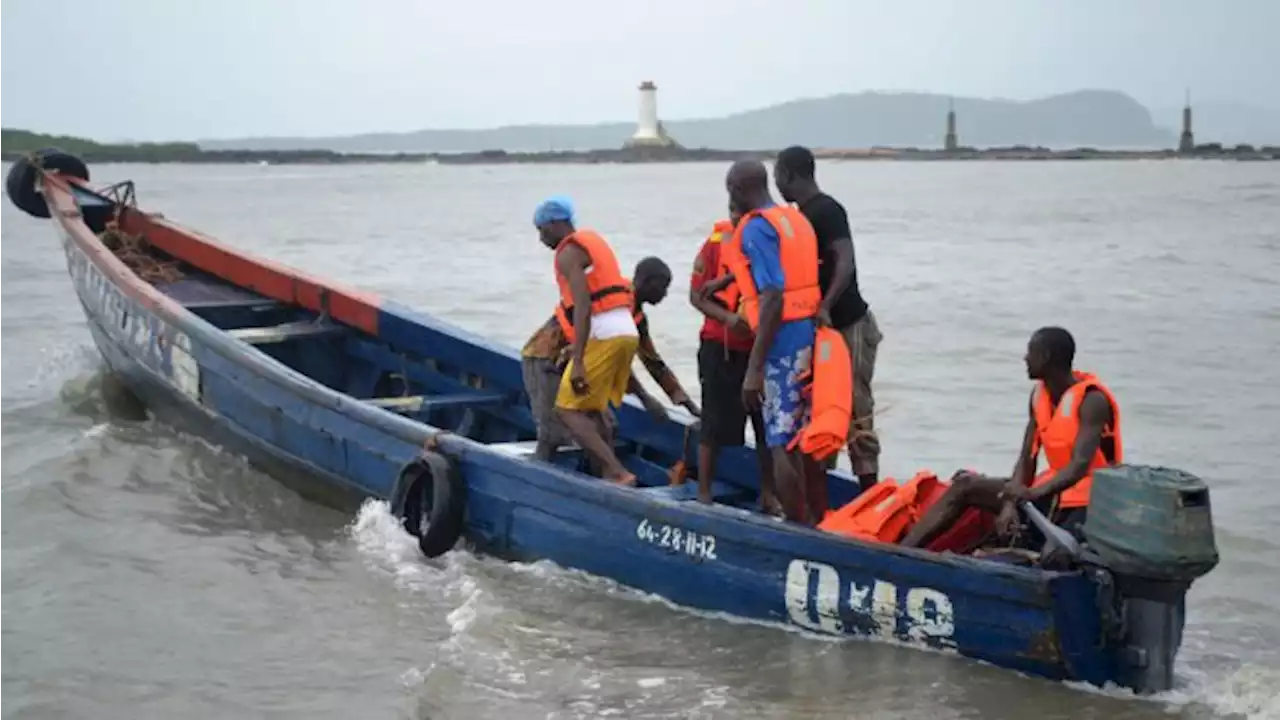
(649, 131)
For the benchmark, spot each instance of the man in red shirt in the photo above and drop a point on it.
(725, 344)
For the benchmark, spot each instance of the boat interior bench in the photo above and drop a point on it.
(426, 403)
(652, 478)
(285, 332)
(722, 492)
(224, 305)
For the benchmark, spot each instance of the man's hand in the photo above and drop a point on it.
(715, 286)
(753, 390)
(562, 358)
(1015, 493)
(1007, 520)
(656, 410)
(824, 317)
(738, 324)
(578, 379)
(691, 406)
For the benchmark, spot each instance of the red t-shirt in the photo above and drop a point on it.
(706, 267)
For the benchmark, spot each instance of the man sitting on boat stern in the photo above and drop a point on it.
(597, 300)
(545, 354)
(1073, 418)
(774, 262)
(725, 343)
(843, 307)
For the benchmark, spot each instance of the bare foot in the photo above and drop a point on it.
(769, 505)
(705, 498)
(627, 480)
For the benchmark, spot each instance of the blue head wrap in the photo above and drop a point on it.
(556, 207)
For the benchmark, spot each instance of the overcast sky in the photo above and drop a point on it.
(181, 69)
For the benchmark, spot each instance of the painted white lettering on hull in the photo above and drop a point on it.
(814, 600)
(186, 371)
(695, 545)
(148, 340)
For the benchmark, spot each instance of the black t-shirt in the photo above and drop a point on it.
(831, 223)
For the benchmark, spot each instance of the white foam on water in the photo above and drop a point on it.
(1251, 690)
(464, 616)
(413, 677)
(97, 430)
(390, 550)
(1247, 692)
(715, 697)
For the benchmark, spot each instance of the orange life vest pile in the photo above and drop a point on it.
(886, 512)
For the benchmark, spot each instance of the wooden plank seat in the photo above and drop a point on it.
(424, 403)
(254, 305)
(287, 331)
(526, 448)
(721, 492)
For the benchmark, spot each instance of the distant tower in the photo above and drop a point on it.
(1187, 141)
(950, 143)
(649, 131)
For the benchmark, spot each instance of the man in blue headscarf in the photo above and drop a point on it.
(540, 359)
(602, 311)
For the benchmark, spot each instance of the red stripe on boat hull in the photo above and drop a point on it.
(346, 305)
(66, 213)
(274, 280)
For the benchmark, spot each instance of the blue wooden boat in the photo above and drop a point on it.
(346, 396)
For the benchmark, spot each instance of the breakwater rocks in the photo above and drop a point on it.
(1210, 151)
(187, 153)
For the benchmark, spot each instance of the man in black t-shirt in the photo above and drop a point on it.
(842, 305)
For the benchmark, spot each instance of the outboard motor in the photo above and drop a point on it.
(1151, 529)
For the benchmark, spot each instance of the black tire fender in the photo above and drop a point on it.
(20, 183)
(430, 499)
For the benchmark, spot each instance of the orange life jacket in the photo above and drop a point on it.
(609, 288)
(886, 510)
(830, 396)
(1056, 431)
(729, 296)
(565, 317)
(798, 254)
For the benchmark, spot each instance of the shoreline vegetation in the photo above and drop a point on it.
(17, 143)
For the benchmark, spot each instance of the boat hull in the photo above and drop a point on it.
(332, 448)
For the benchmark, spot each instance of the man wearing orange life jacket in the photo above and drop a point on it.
(724, 347)
(598, 299)
(1073, 418)
(774, 261)
(544, 356)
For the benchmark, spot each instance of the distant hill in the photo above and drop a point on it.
(1226, 123)
(1087, 118)
(16, 142)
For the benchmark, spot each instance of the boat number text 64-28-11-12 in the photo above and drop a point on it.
(695, 545)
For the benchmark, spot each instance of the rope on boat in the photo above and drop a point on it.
(861, 431)
(136, 253)
(134, 250)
